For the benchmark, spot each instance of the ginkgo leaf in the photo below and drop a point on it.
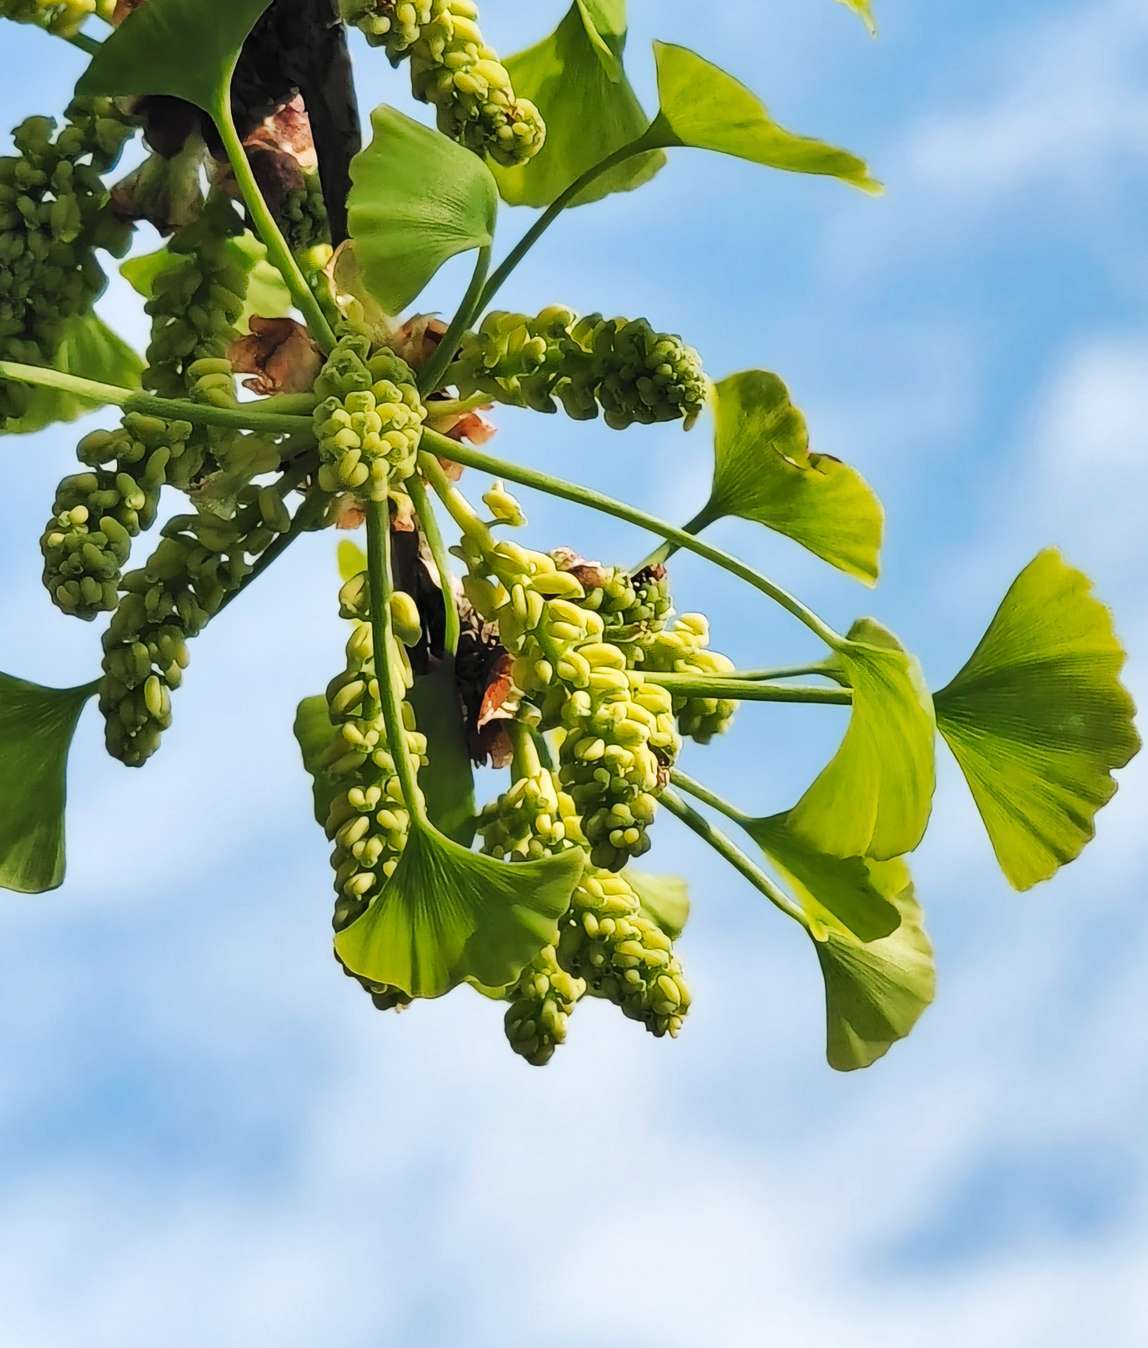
(764, 471)
(875, 797)
(267, 294)
(352, 560)
(864, 9)
(184, 48)
(703, 107)
(36, 729)
(447, 915)
(875, 993)
(447, 782)
(1038, 719)
(665, 899)
(837, 893)
(90, 349)
(417, 200)
(576, 78)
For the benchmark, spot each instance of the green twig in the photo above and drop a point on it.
(243, 417)
(662, 554)
(84, 43)
(428, 522)
(708, 797)
(743, 690)
(382, 587)
(783, 672)
(431, 377)
(569, 491)
(278, 251)
(726, 848)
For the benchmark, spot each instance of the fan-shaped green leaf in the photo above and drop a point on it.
(875, 797)
(576, 78)
(180, 47)
(1038, 719)
(91, 350)
(705, 108)
(864, 9)
(838, 893)
(36, 729)
(665, 899)
(876, 993)
(267, 294)
(447, 915)
(447, 781)
(764, 471)
(417, 200)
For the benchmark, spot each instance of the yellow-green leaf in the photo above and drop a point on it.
(705, 108)
(90, 349)
(184, 48)
(765, 471)
(875, 796)
(417, 200)
(447, 782)
(664, 899)
(864, 9)
(352, 560)
(837, 893)
(447, 915)
(875, 993)
(36, 729)
(1038, 719)
(577, 79)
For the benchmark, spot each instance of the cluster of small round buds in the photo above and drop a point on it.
(623, 956)
(683, 648)
(531, 820)
(97, 514)
(199, 562)
(541, 1003)
(369, 420)
(619, 367)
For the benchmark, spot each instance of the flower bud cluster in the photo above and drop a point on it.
(302, 215)
(541, 1003)
(454, 69)
(682, 648)
(623, 956)
(197, 301)
(97, 514)
(53, 217)
(200, 561)
(64, 17)
(368, 820)
(620, 732)
(533, 819)
(632, 607)
(618, 366)
(368, 421)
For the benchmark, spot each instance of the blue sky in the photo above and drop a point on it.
(206, 1135)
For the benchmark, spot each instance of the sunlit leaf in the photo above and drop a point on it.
(91, 350)
(876, 993)
(267, 294)
(417, 199)
(314, 732)
(704, 107)
(352, 560)
(184, 48)
(837, 893)
(36, 729)
(447, 781)
(665, 899)
(447, 915)
(576, 78)
(864, 9)
(1038, 719)
(764, 471)
(875, 796)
